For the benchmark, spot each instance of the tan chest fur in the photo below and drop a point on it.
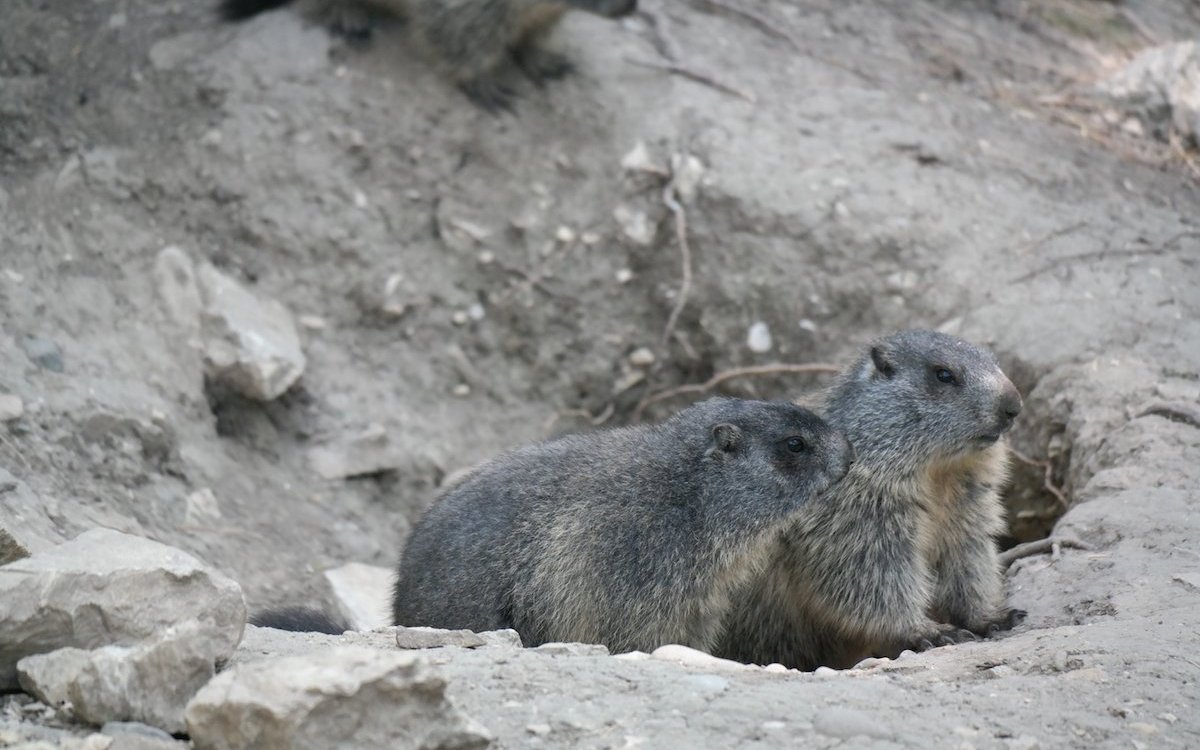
(944, 487)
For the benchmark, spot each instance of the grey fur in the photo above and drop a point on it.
(633, 537)
(901, 553)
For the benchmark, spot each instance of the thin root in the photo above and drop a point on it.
(694, 75)
(1047, 477)
(1053, 545)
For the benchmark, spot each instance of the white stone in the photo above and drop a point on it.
(11, 407)
(362, 593)
(347, 697)
(635, 225)
(151, 682)
(690, 657)
(758, 338)
(107, 588)
(202, 507)
(251, 345)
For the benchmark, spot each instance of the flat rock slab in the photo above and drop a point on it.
(107, 588)
(363, 593)
(149, 683)
(419, 637)
(347, 697)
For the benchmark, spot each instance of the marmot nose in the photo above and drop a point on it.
(1010, 404)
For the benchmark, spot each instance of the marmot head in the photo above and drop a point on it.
(775, 448)
(606, 8)
(924, 395)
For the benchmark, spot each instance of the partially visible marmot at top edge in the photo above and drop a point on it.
(632, 537)
(902, 552)
(479, 39)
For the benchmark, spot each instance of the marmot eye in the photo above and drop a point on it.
(944, 375)
(795, 444)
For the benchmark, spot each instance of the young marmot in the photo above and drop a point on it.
(478, 40)
(901, 553)
(632, 537)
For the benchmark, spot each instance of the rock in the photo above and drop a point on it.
(345, 697)
(1162, 86)
(363, 593)
(132, 735)
(507, 638)
(635, 226)
(758, 338)
(48, 677)
(690, 657)
(686, 173)
(201, 507)
(175, 275)
(436, 638)
(641, 357)
(369, 452)
(11, 407)
(44, 353)
(25, 525)
(151, 682)
(250, 345)
(838, 721)
(107, 588)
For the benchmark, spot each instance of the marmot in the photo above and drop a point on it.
(478, 39)
(633, 537)
(901, 553)
(300, 620)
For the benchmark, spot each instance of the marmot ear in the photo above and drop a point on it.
(726, 437)
(882, 364)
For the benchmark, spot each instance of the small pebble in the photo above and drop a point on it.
(460, 318)
(774, 726)
(775, 668)
(11, 407)
(825, 672)
(461, 390)
(312, 322)
(1168, 717)
(624, 276)
(540, 730)
(565, 235)
(641, 357)
(1143, 727)
(758, 338)
(476, 312)
(590, 238)
(486, 257)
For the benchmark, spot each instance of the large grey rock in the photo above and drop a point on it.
(250, 344)
(345, 697)
(363, 594)
(1162, 85)
(150, 683)
(107, 588)
(25, 527)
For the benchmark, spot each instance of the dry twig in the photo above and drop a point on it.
(721, 377)
(694, 75)
(1039, 547)
(671, 199)
(1047, 477)
(593, 419)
